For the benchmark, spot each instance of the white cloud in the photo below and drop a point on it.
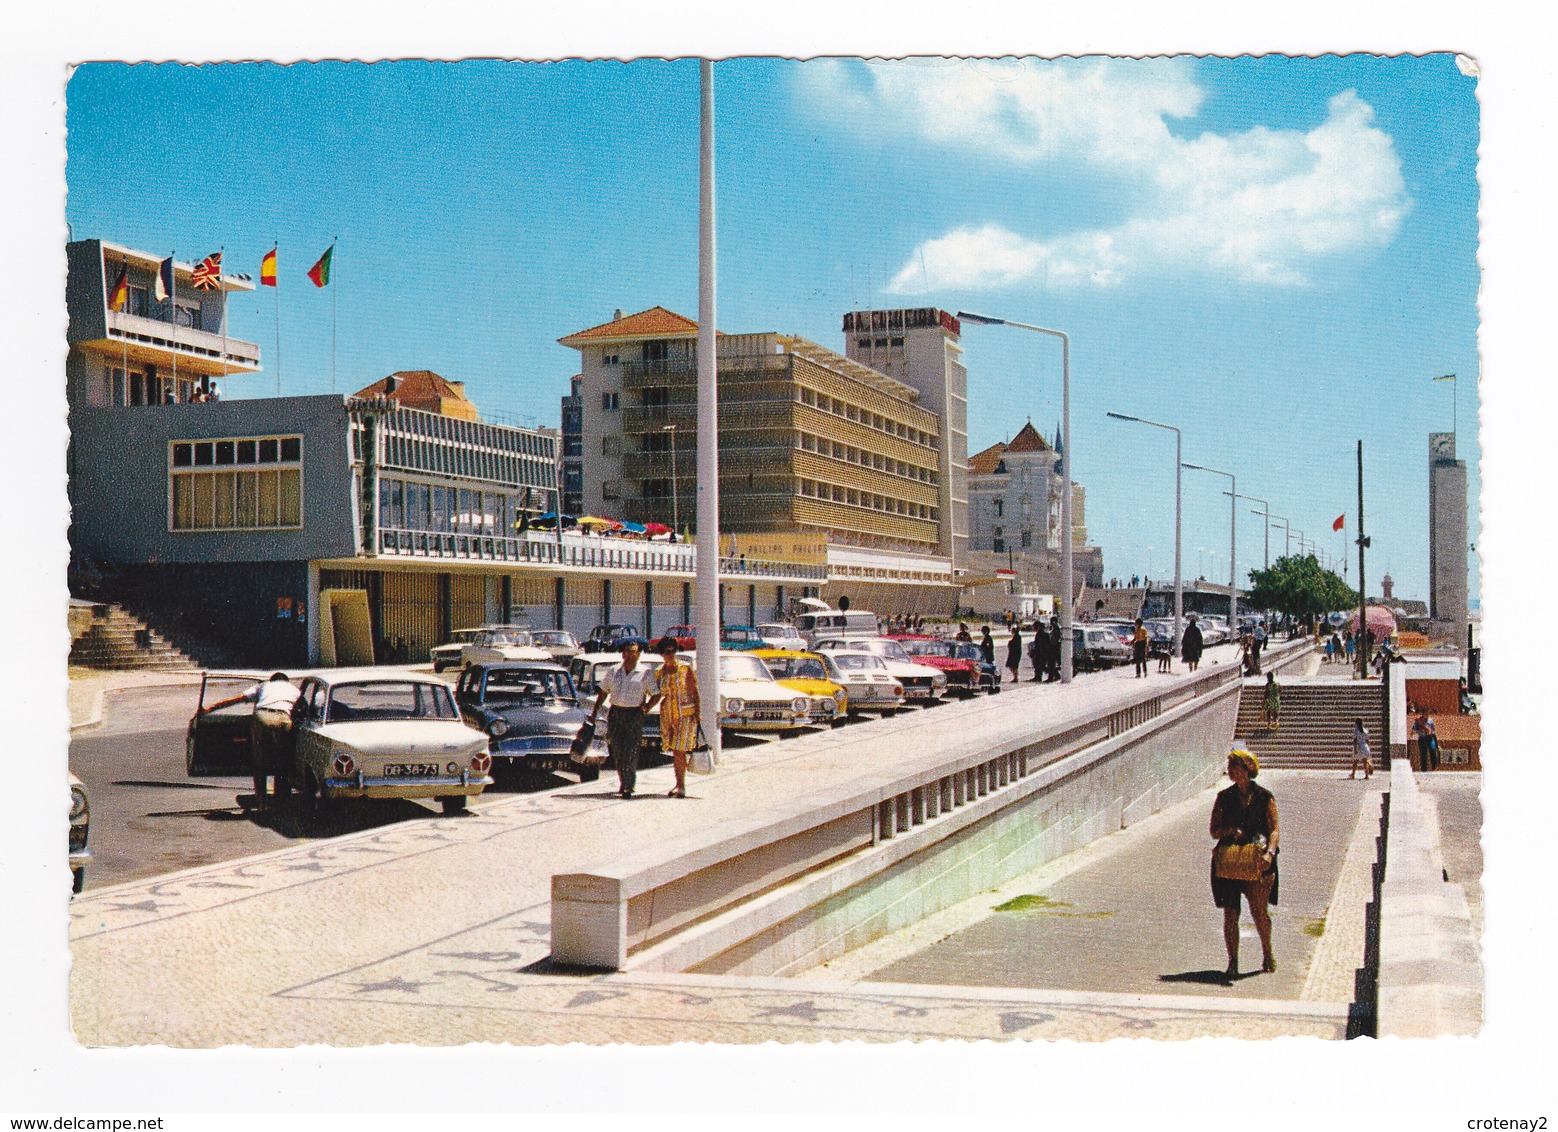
(1261, 205)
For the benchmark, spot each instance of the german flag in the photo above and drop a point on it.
(120, 295)
(268, 269)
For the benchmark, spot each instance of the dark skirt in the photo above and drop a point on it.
(1227, 893)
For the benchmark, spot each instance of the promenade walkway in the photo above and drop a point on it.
(437, 931)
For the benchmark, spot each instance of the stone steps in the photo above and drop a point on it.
(117, 640)
(1316, 725)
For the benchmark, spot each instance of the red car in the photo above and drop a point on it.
(962, 675)
(685, 635)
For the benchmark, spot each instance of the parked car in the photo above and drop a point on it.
(531, 713)
(741, 638)
(685, 636)
(922, 684)
(614, 638)
(217, 743)
(807, 673)
(750, 699)
(362, 733)
(962, 675)
(586, 672)
(80, 823)
(781, 635)
(507, 643)
(449, 655)
(989, 679)
(560, 644)
(865, 680)
(1094, 649)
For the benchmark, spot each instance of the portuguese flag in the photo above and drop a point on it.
(320, 272)
(268, 269)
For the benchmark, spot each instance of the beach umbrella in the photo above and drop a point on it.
(1382, 622)
(634, 528)
(656, 529)
(595, 521)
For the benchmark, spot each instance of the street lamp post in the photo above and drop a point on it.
(1179, 585)
(676, 519)
(1233, 539)
(1068, 592)
(1265, 513)
(1287, 533)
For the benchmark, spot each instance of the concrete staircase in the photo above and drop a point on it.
(1316, 724)
(116, 639)
(1117, 603)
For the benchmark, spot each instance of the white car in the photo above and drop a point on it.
(492, 645)
(562, 645)
(80, 822)
(448, 655)
(779, 635)
(865, 680)
(364, 733)
(750, 699)
(921, 683)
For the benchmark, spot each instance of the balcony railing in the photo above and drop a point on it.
(238, 354)
(665, 371)
(582, 552)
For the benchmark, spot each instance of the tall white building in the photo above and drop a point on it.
(920, 348)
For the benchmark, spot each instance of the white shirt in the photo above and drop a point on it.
(274, 695)
(630, 689)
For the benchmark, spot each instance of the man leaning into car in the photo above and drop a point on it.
(270, 733)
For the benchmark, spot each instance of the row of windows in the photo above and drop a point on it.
(244, 450)
(236, 500)
(415, 506)
(999, 541)
(880, 343)
(462, 460)
(476, 434)
(138, 387)
(866, 417)
(806, 442)
(812, 489)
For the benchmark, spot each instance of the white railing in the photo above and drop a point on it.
(200, 343)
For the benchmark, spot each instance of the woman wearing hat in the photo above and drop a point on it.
(1246, 814)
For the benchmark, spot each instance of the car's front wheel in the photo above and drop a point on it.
(454, 804)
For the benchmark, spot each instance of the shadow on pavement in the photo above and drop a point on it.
(1210, 978)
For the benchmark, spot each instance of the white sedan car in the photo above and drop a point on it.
(750, 699)
(364, 733)
(921, 683)
(493, 645)
(778, 635)
(865, 680)
(562, 645)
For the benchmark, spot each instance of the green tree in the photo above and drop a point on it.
(1300, 587)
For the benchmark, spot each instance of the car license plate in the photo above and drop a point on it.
(410, 770)
(917, 693)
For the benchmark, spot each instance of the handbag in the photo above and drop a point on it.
(1237, 862)
(700, 760)
(581, 751)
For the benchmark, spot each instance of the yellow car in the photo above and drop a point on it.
(807, 673)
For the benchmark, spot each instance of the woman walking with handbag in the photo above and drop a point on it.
(679, 711)
(1244, 863)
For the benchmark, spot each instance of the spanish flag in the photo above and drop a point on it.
(121, 292)
(268, 269)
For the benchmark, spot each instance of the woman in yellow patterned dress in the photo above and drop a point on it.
(679, 710)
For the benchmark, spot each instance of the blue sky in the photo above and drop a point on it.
(1277, 254)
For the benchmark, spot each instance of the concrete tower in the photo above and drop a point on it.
(1447, 544)
(920, 348)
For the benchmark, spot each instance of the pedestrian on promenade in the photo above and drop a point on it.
(1349, 644)
(1246, 814)
(963, 634)
(1360, 751)
(679, 710)
(1052, 650)
(270, 734)
(1139, 648)
(1014, 651)
(1192, 644)
(633, 692)
(1271, 706)
(986, 645)
(1260, 643)
(1427, 736)
(1036, 653)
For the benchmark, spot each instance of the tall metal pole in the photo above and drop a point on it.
(676, 521)
(707, 573)
(1179, 585)
(1363, 589)
(1233, 538)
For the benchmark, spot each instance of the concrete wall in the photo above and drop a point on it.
(967, 811)
(119, 481)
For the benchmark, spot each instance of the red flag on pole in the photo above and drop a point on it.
(1341, 521)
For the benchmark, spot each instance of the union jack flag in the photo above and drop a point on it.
(208, 272)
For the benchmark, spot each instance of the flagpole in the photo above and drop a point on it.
(277, 288)
(173, 312)
(335, 287)
(222, 287)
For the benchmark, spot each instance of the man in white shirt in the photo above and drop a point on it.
(270, 734)
(633, 690)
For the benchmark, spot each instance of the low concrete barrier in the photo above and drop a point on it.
(1430, 962)
(783, 890)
